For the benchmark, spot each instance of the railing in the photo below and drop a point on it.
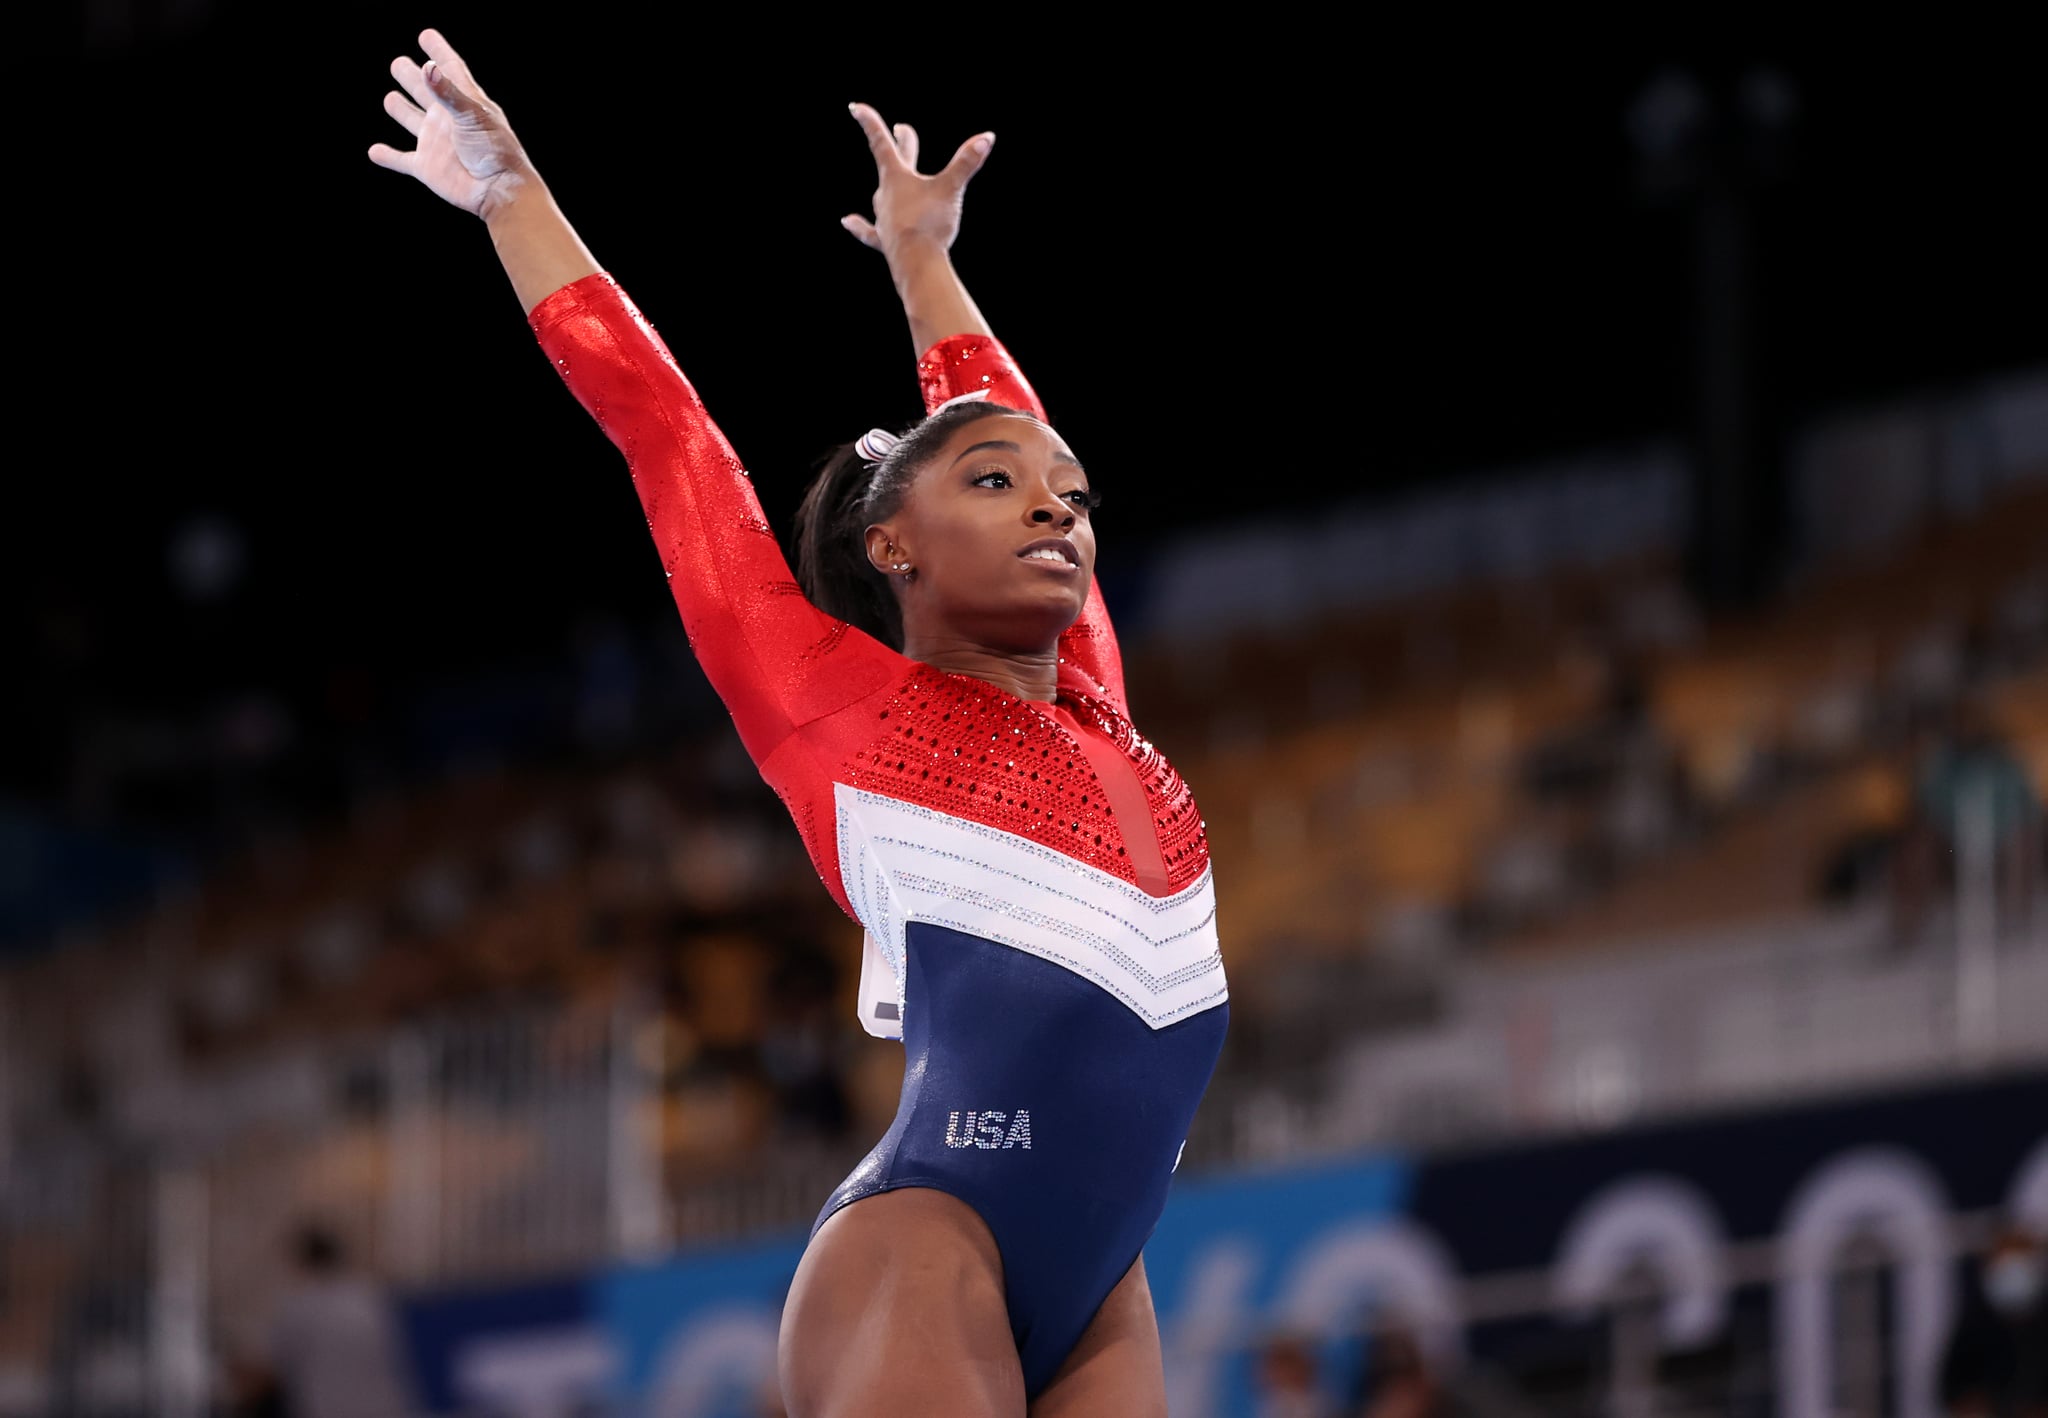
(1618, 1356)
(463, 1150)
(1767, 1013)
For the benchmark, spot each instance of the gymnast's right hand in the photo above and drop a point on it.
(467, 153)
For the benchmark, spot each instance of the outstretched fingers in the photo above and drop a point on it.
(407, 113)
(906, 144)
(384, 155)
(448, 89)
(443, 56)
(969, 159)
(905, 197)
(881, 142)
(408, 109)
(406, 73)
(862, 230)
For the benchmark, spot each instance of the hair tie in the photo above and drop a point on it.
(875, 444)
(878, 443)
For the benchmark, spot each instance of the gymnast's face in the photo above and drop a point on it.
(995, 528)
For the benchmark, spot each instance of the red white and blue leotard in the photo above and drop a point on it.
(1033, 878)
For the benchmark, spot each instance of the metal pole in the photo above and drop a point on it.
(639, 1226)
(1976, 924)
(412, 1239)
(177, 1303)
(1632, 1376)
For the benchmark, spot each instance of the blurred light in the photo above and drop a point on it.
(336, 945)
(1668, 113)
(1768, 99)
(205, 557)
(1603, 1087)
(253, 728)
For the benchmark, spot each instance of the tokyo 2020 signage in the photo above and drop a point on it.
(1737, 1225)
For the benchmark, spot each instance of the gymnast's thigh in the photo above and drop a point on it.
(1117, 1367)
(897, 1308)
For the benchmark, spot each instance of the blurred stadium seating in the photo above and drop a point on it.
(1483, 833)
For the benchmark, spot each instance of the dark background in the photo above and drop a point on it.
(1254, 267)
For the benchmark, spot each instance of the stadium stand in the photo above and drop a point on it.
(522, 964)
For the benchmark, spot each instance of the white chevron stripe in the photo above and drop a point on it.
(902, 863)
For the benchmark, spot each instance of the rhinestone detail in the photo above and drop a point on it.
(973, 751)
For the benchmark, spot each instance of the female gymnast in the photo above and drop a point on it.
(938, 699)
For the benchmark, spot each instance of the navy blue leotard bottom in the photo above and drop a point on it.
(1044, 1103)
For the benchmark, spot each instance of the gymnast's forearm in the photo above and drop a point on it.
(540, 251)
(935, 299)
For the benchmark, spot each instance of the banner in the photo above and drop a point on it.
(694, 1337)
(1744, 1225)
(1507, 1263)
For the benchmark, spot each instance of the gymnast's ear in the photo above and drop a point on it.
(886, 554)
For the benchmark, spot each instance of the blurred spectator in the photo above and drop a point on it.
(801, 1045)
(1964, 776)
(1287, 1385)
(1586, 759)
(335, 1349)
(1398, 1382)
(1525, 876)
(101, 1342)
(1605, 794)
(1997, 1360)
(1929, 671)
(249, 1390)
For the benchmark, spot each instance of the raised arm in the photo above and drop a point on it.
(917, 218)
(762, 645)
(468, 156)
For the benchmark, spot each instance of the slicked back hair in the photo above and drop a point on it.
(849, 495)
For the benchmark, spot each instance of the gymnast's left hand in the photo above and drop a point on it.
(915, 212)
(467, 155)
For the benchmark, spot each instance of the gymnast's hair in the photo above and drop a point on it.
(849, 495)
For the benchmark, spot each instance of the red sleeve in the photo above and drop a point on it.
(776, 660)
(961, 364)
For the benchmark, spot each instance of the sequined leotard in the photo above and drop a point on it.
(1033, 878)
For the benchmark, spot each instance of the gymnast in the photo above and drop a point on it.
(937, 696)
